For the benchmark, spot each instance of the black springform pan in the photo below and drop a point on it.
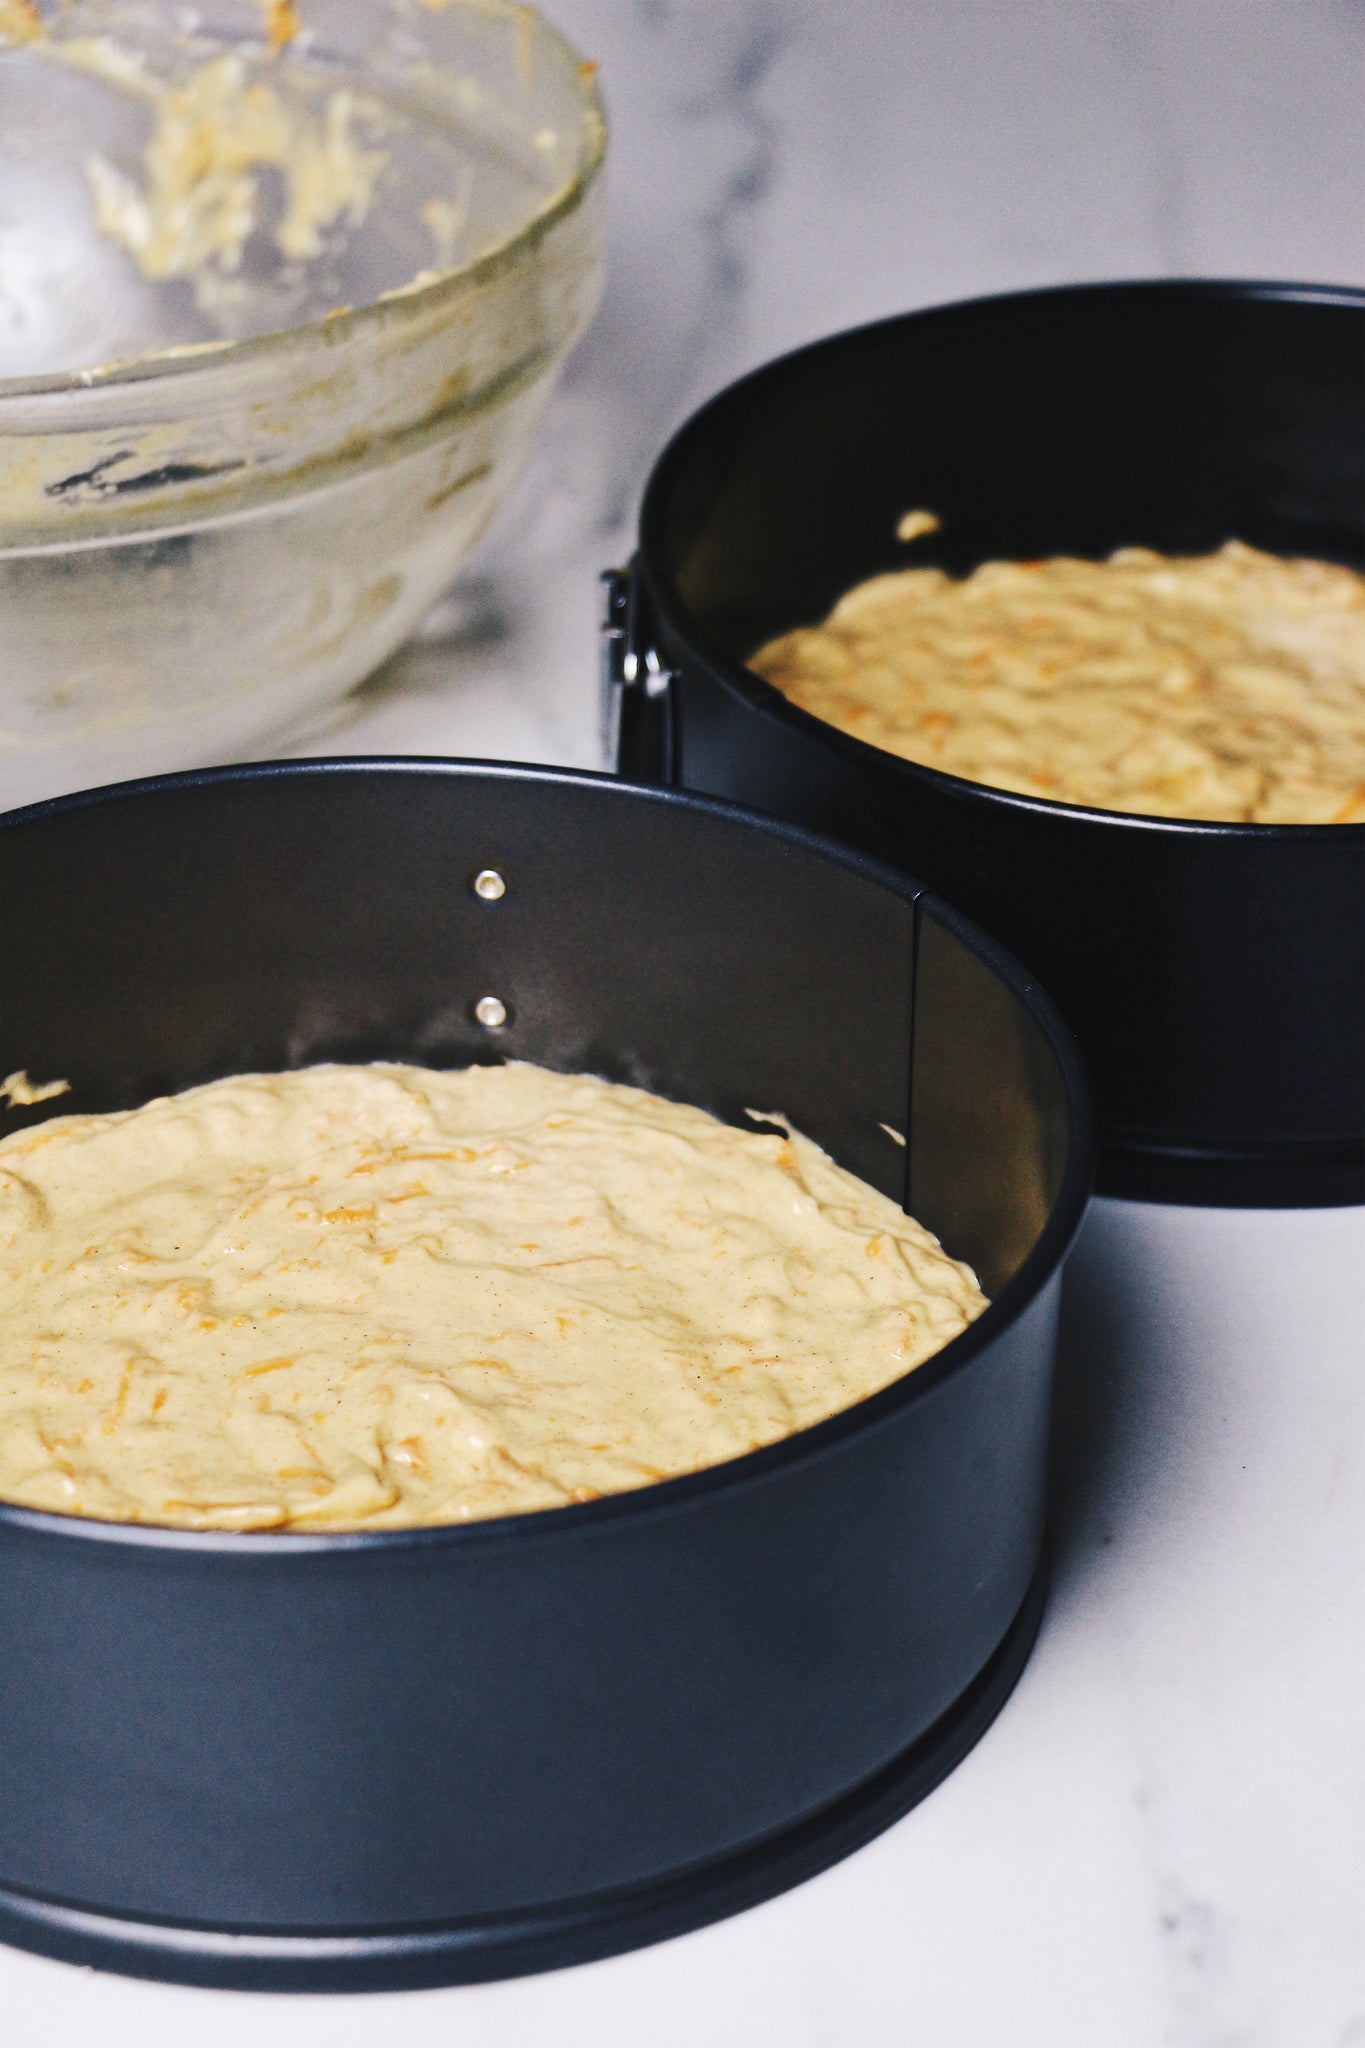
(348, 1761)
(1213, 973)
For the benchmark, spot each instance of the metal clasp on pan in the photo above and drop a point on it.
(630, 662)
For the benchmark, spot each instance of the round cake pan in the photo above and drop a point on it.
(407, 1757)
(1213, 973)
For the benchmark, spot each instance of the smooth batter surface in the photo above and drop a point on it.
(372, 1296)
(1229, 685)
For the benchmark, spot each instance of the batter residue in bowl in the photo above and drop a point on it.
(217, 126)
(368, 1297)
(1228, 685)
(198, 200)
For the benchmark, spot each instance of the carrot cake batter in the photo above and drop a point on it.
(373, 1296)
(1229, 685)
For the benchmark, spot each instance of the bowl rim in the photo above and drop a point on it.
(689, 1490)
(448, 285)
(769, 701)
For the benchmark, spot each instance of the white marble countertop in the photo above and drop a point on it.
(1162, 1839)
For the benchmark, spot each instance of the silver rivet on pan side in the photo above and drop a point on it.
(491, 1012)
(489, 884)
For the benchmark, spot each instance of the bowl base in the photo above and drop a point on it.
(472, 1951)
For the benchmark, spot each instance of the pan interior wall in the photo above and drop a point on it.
(1069, 423)
(156, 941)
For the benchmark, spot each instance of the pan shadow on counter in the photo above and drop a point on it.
(1205, 1382)
(1111, 1387)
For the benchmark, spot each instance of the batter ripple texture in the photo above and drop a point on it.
(1222, 686)
(369, 1297)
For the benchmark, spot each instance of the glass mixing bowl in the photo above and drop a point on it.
(284, 289)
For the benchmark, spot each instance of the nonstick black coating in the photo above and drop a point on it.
(407, 1757)
(1214, 974)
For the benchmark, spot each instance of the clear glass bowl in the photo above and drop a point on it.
(283, 295)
